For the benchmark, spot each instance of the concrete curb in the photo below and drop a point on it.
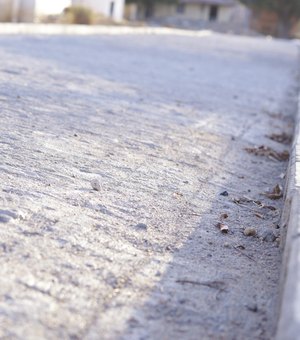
(289, 318)
(53, 29)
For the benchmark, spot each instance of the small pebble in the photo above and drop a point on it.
(252, 307)
(141, 226)
(224, 193)
(250, 232)
(223, 228)
(95, 185)
(268, 236)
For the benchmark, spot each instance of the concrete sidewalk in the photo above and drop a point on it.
(169, 126)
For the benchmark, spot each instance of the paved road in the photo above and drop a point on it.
(162, 122)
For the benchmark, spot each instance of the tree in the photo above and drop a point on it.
(287, 11)
(148, 5)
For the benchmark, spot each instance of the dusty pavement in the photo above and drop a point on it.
(162, 122)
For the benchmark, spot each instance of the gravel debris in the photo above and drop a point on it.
(250, 231)
(268, 236)
(141, 226)
(95, 185)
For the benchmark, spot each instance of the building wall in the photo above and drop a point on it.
(50, 7)
(17, 10)
(5, 13)
(241, 15)
(26, 10)
(225, 14)
(104, 7)
(131, 12)
(192, 12)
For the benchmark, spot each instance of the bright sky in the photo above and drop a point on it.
(51, 6)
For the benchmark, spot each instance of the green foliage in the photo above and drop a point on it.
(79, 15)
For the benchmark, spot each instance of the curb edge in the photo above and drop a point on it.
(289, 310)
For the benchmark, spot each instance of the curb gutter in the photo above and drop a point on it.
(289, 318)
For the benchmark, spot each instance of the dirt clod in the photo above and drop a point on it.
(250, 231)
(141, 226)
(265, 151)
(95, 185)
(276, 193)
(223, 228)
(224, 193)
(252, 307)
(283, 138)
(268, 236)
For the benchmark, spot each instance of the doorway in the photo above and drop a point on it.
(213, 13)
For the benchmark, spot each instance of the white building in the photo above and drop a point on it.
(30, 10)
(17, 10)
(205, 10)
(191, 11)
(51, 7)
(109, 8)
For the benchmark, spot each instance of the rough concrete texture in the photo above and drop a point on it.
(162, 123)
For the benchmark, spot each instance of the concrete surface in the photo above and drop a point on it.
(162, 122)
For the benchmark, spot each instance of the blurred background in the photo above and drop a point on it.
(276, 18)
